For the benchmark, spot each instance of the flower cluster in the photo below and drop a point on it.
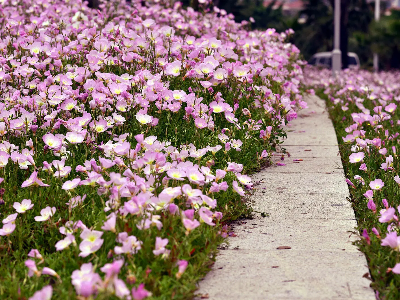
(364, 108)
(126, 134)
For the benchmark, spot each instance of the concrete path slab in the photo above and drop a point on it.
(302, 247)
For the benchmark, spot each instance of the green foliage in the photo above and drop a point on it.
(385, 35)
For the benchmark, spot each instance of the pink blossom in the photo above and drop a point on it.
(46, 213)
(71, 184)
(7, 229)
(391, 240)
(237, 188)
(356, 157)
(35, 254)
(140, 292)
(206, 216)
(387, 215)
(130, 244)
(176, 174)
(190, 224)
(51, 141)
(89, 247)
(396, 269)
(160, 246)
(173, 68)
(377, 184)
(369, 194)
(244, 179)
(48, 271)
(85, 280)
(64, 243)
(10, 218)
(109, 225)
(44, 294)
(200, 123)
(371, 205)
(75, 137)
(33, 180)
(182, 265)
(22, 207)
(32, 269)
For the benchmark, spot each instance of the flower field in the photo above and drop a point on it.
(127, 134)
(364, 109)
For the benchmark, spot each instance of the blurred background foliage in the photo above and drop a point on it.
(313, 26)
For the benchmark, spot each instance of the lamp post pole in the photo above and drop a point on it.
(377, 17)
(336, 53)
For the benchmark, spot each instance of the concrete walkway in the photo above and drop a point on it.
(302, 249)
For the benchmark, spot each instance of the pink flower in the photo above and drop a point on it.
(206, 216)
(35, 254)
(173, 68)
(88, 247)
(73, 202)
(75, 137)
(377, 184)
(4, 156)
(387, 215)
(396, 269)
(190, 192)
(219, 107)
(22, 207)
(366, 236)
(195, 176)
(51, 141)
(33, 180)
(237, 188)
(46, 213)
(363, 167)
(44, 294)
(176, 174)
(117, 88)
(190, 225)
(200, 123)
(32, 269)
(234, 167)
(121, 291)
(85, 280)
(182, 265)
(391, 240)
(219, 174)
(51, 272)
(371, 205)
(113, 269)
(369, 194)
(160, 246)
(71, 184)
(244, 179)
(144, 118)
(7, 229)
(91, 235)
(391, 107)
(109, 225)
(140, 292)
(64, 243)
(130, 244)
(10, 218)
(220, 74)
(356, 157)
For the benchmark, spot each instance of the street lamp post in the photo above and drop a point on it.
(377, 17)
(336, 53)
